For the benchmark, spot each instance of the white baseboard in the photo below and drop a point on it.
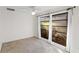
(19, 38)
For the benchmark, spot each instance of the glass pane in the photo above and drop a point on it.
(59, 28)
(44, 27)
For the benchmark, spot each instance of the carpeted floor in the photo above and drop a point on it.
(29, 45)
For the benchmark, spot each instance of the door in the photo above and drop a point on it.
(57, 29)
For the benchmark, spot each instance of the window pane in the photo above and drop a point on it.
(44, 27)
(59, 28)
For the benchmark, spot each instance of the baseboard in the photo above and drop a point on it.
(20, 39)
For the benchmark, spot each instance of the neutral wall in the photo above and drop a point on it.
(35, 25)
(75, 31)
(16, 25)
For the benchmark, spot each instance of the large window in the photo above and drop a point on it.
(59, 28)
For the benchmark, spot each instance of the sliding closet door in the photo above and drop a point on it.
(44, 27)
(59, 28)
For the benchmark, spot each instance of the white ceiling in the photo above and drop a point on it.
(46, 9)
(38, 9)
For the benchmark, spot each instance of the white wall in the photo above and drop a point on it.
(35, 26)
(16, 25)
(75, 30)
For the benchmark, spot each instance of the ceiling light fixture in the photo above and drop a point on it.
(33, 12)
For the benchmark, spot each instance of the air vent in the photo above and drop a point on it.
(10, 9)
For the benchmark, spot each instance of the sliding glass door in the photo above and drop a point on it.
(56, 29)
(59, 28)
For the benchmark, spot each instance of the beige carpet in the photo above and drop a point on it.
(29, 45)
